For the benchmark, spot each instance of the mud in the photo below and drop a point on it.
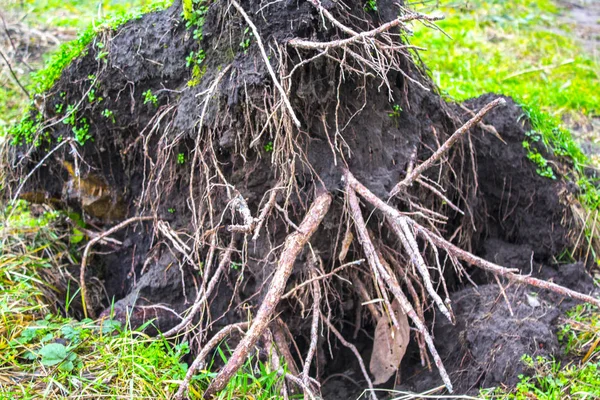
(484, 348)
(512, 215)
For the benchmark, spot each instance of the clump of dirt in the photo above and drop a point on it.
(238, 177)
(497, 325)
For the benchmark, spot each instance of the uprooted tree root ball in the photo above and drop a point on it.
(285, 175)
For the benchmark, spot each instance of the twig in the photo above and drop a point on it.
(202, 294)
(318, 278)
(415, 173)
(86, 253)
(356, 353)
(284, 96)
(293, 245)
(14, 75)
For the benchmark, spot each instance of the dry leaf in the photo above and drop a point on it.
(348, 237)
(389, 345)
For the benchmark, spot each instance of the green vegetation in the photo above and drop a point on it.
(576, 380)
(181, 158)
(370, 5)
(42, 80)
(246, 39)
(515, 48)
(45, 355)
(150, 97)
(194, 12)
(269, 146)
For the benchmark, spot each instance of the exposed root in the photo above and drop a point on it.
(203, 294)
(392, 283)
(356, 354)
(282, 92)
(292, 247)
(415, 173)
(84, 295)
(314, 331)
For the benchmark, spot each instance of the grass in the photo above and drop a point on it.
(514, 48)
(577, 379)
(72, 14)
(46, 354)
(498, 46)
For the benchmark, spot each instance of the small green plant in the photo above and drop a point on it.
(108, 114)
(101, 54)
(194, 12)
(150, 97)
(246, 40)
(82, 132)
(543, 169)
(24, 132)
(92, 97)
(181, 158)
(370, 5)
(396, 111)
(269, 147)
(195, 58)
(171, 210)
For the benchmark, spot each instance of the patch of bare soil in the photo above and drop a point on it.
(313, 179)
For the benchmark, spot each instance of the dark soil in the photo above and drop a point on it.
(513, 216)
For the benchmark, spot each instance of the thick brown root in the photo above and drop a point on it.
(292, 247)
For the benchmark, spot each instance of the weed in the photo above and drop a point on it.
(82, 132)
(181, 158)
(396, 111)
(150, 97)
(246, 38)
(171, 210)
(370, 5)
(269, 147)
(195, 58)
(108, 114)
(42, 81)
(92, 96)
(543, 169)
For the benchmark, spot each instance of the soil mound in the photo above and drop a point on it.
(231, 187)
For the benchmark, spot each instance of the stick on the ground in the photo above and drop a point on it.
(86, 253)
(415, 173)
(292, 247)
